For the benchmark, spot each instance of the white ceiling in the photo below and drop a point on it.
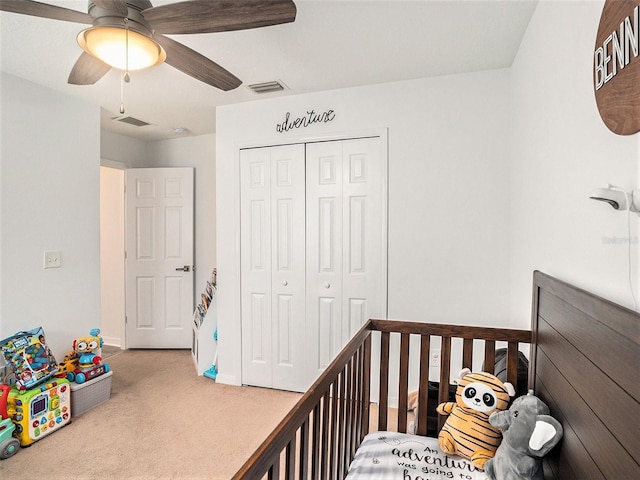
(332, 44)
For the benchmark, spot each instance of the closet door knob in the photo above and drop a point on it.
(285, 283)
(327, 285)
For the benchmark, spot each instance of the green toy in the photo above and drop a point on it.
(528, 434)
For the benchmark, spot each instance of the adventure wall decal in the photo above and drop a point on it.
(310, 118)
(616, 66)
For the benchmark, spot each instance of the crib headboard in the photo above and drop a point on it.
(586, 367)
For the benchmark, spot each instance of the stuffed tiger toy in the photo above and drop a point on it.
(467, 432)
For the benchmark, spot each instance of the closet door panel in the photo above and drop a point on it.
(362, 196)
(324, 253)
(288, 267)
(345, 191)
(255, 264)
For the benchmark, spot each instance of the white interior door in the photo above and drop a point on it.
(159, 257)
(346, 243)
(272, 267)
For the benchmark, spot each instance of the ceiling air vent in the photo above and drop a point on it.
(267, 87)
(131, 121)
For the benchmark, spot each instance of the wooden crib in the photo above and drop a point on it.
(584, 354)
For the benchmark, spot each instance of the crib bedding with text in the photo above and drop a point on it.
(400, 456)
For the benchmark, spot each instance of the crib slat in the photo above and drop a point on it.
(304, 450)
(334, 426)
(384, 381)
(352, 412)
(366, 389)
(467, 353)
(403, 382)
(274, 471)
(349, 423)
(315, 447)
(445, 374)
(339, 437)
(423, 389)
(290, 460)
(489, 356)
(357, 398)
(324, 457)
(512, 363)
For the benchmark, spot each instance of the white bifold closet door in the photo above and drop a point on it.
(272, 266)
(313, 255)
(346, 251)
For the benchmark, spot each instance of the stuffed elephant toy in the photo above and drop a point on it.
(528, 434)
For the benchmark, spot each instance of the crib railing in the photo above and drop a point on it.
(319, 437)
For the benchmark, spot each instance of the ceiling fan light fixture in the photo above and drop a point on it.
(109, 44)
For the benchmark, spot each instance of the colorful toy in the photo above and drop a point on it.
(467, 431)
(88, 350)
(9, 445)
(66, 369)
(529, 433)
(39, 411)
(29, 357)
(84, 362)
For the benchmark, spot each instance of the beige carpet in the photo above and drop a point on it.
(162, 422)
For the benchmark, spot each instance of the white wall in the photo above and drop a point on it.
(560, 150)
(121, 151)
(448, 184)
(49, 197)
(112, 270)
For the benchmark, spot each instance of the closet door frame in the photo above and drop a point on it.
(231, 333)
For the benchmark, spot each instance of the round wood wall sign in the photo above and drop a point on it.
(616, 66)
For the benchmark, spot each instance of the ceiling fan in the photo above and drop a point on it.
(139, 28)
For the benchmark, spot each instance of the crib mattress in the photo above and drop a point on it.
(399, 456)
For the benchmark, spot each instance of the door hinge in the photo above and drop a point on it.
(126, 320)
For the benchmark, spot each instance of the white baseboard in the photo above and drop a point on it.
(227, 379)
(112, 341)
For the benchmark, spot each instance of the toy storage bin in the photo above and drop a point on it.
(90, 394)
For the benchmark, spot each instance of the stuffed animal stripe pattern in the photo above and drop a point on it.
(467, 432)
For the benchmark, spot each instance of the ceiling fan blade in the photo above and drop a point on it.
(196, 65)
(119, 6)
(87, 70)
(44, 10)
(207, 16)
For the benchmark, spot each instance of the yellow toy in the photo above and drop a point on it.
(66, 368)
(39, 411)
(467, 432)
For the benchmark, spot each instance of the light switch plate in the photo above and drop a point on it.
(52, 259)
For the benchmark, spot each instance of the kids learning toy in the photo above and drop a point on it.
(39, 411)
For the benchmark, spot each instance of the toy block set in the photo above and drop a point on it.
(37, 393)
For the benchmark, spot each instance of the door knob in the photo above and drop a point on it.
(285, 283)
(186, 268)
(327, 285)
